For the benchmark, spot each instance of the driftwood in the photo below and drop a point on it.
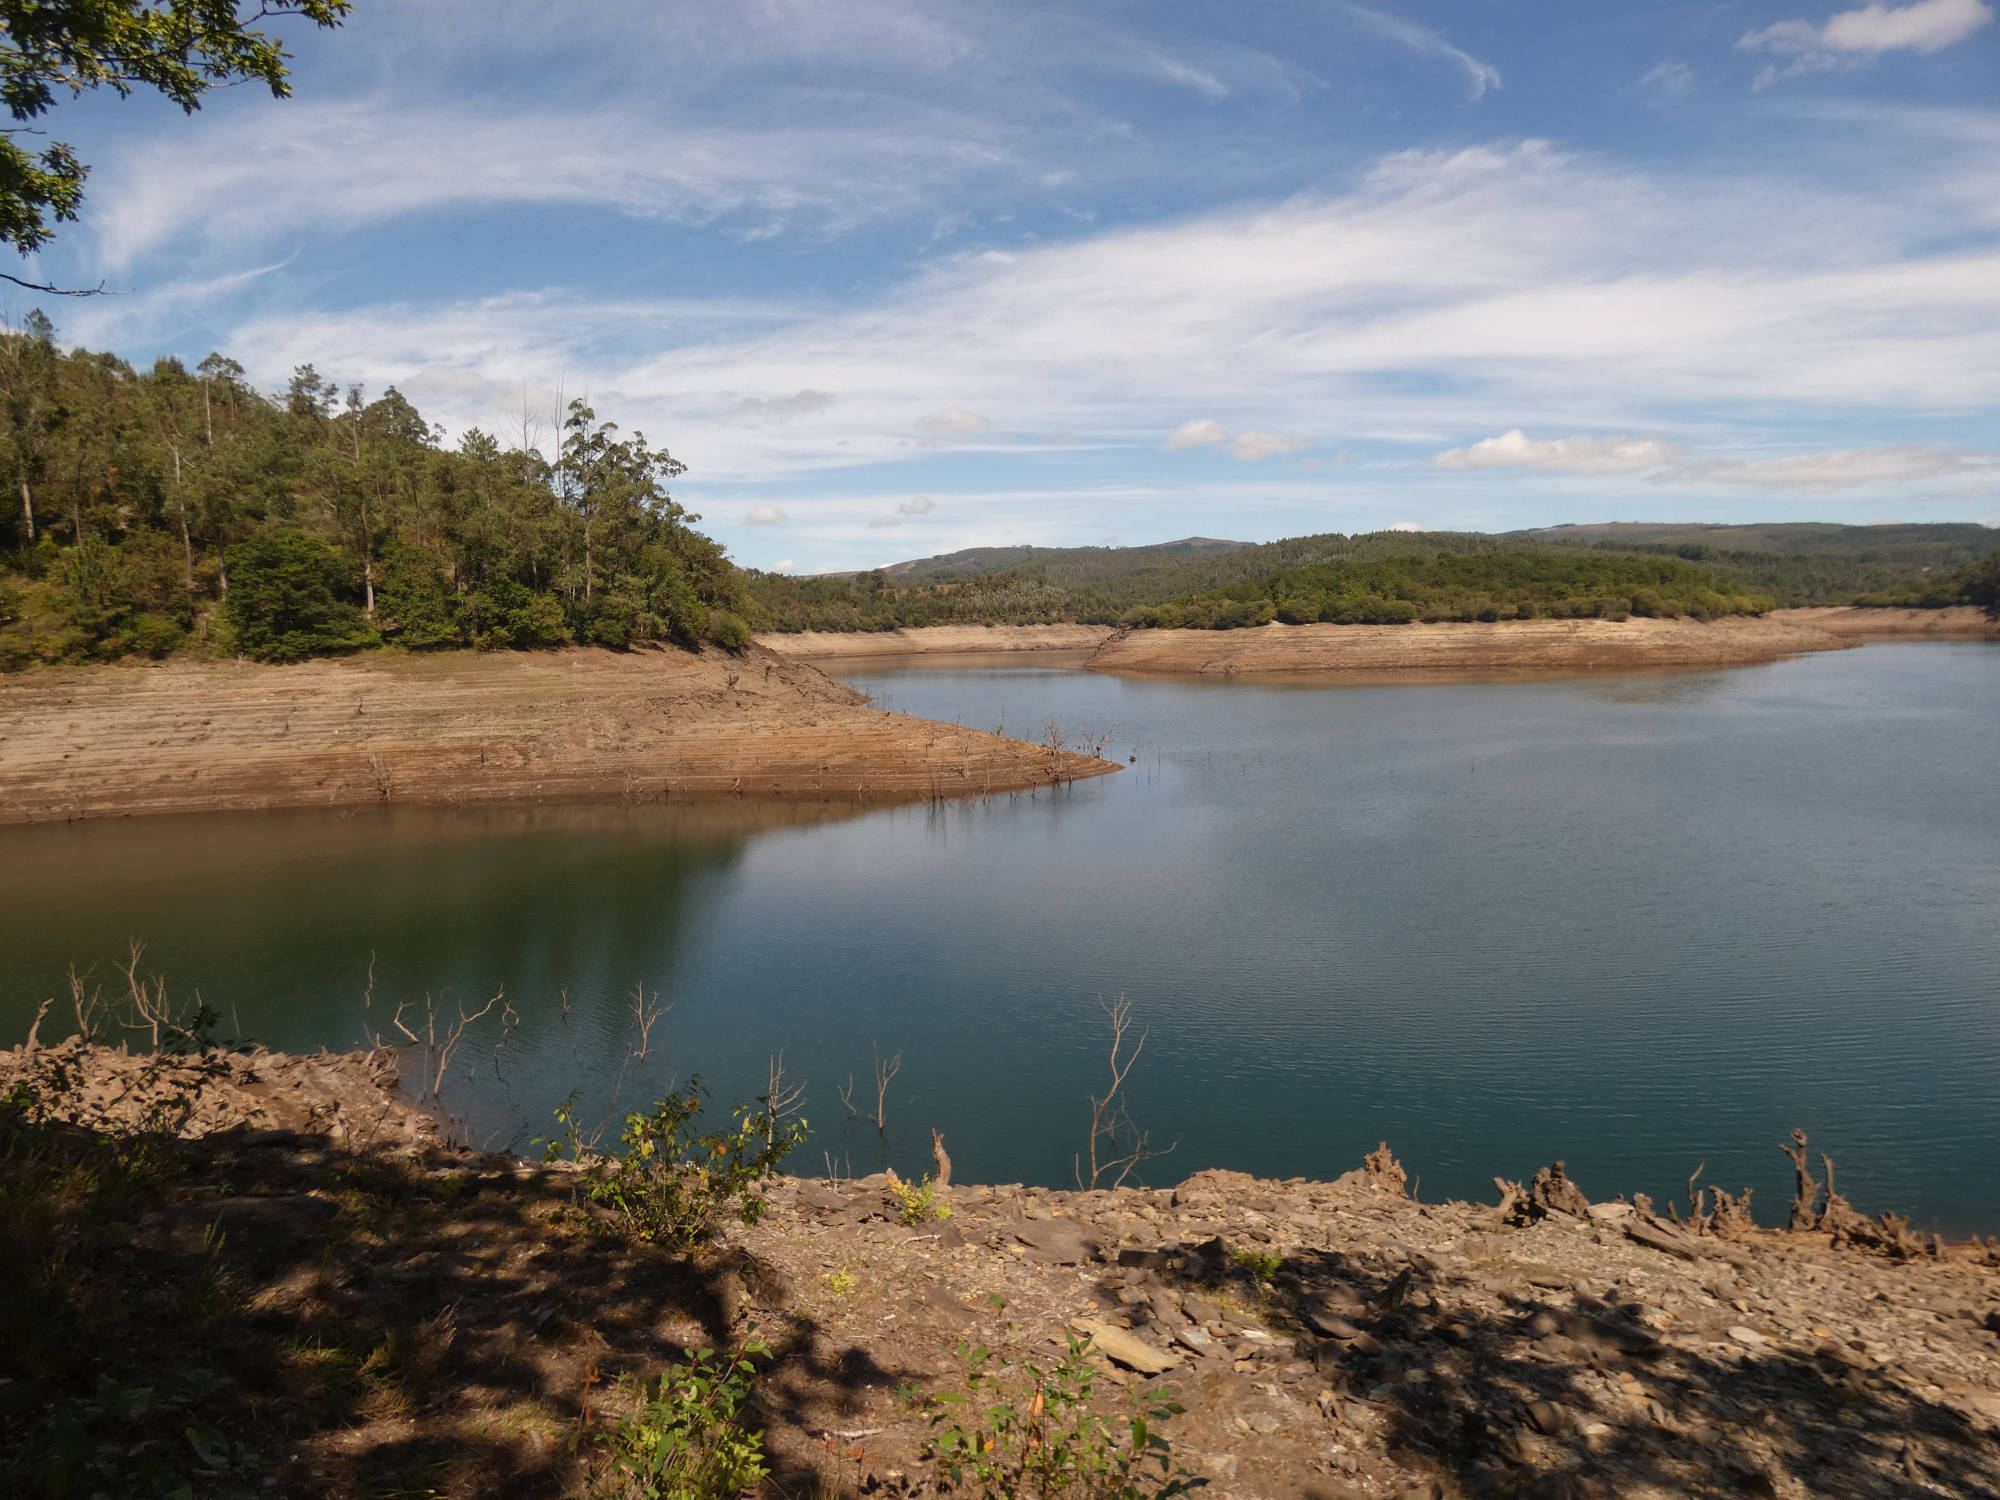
(1889, 1233)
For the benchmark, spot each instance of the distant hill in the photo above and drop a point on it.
(997, 559)
(1784, 563)
(1798, 562)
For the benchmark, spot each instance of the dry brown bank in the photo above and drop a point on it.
(422, 1319)
(1536, 646)
(1960, 623)
(466, 728)
(817, 644)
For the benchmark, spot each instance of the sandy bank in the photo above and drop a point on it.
(1962, 623)
(467, 728)
(813, 644)
(1532, 646)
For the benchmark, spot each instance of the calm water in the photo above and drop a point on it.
(1636, 923)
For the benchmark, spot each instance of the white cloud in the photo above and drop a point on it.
(765, 515)
(1443, 293)
(1199, 433)
(1842, 468)
(784, 565)
(1859, 35)
(1405, 526)
(883, 523)
(1173, 70)
(953, 419)
(784, 408)
(920, 505)
(1252, 446)
(1426, 42)
(1668, 76)
(1570, 455)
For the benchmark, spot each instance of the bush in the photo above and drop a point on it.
(687, 1442)
(729, 631)
(285, 599)
(1037, 1435)
(673, 1187)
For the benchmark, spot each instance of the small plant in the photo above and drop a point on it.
(687, 1441)
(841, 1282)
(1262, 1264)
(1036, 1435)
(673, 1187)
(918, 1202)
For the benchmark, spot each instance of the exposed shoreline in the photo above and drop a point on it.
(464, 728)
(1320, 1335)
(1529, 647)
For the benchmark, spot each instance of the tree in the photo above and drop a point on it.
(1982, 584)
(182, 48)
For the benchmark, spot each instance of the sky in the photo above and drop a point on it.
(895, 277)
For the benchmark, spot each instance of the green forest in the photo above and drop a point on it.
(177, 510)
(1463, 586)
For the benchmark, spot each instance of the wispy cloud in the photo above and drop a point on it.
(765, 515)
(1860, 35)
(1202, 432)
(1480, 76)
(1842, 468)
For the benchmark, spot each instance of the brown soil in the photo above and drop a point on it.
(647, 725)
(1527, 646)
(1960, 623)
(424, 1320)
(820, 644)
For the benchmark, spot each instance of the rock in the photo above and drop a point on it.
(820, 1198)
(1262, 1422)
(1193, 1338)
(1327, 1321)
(1550, 1419)
(1610, 1213)
(1541, 1325)
(1750, 1338)
(1122, 1348)
(1656, 1236)
(1145, 1260)
(1060, 1241)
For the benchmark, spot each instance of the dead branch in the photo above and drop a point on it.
(1116, 1144)
(782, 1098)
(943, 1160)
(645, 1015)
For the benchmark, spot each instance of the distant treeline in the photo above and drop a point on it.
(180, 509)
(1459, 586)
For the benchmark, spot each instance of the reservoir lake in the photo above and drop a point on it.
(1635, 923)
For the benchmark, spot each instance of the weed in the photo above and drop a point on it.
(687, 1441)
(673, 1187)
(841, 1282)
(918, 1202)
(1037, 1435)
(1262, 1264)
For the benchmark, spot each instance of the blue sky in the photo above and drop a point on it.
(894, 277)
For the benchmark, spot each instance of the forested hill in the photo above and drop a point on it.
(1783, 564)
(175, 509)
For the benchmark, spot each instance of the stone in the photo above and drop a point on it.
(1122, 1348)
(821, 1199)
(1060, 1241)
(1329, 1322)
(1610, 1213)
(1750, 1338)
(1549, 1419)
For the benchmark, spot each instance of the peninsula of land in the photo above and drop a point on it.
(647, 725)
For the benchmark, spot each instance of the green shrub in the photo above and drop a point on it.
(918, 1203)
(286, 599)
(1037, 1434)
(729, 631)
(687, 1441)
(671, 1186)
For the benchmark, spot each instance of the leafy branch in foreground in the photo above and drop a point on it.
(687, 1441)
(671, 1186)
(1035, 1436)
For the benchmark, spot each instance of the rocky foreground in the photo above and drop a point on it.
(389, 1311)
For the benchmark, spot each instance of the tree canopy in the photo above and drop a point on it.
(183, 510)
(180, 48)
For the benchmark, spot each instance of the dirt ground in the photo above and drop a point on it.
(1529, 646)
(645, 725)
(381, 1314)
(1960, 623)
